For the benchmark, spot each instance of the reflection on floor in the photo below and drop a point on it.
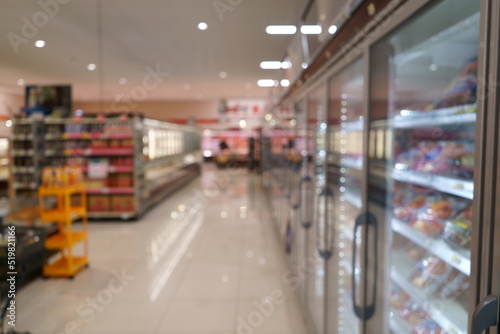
(206, 260)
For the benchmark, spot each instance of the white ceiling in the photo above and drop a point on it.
(137, 34)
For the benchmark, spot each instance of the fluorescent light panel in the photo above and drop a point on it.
(266, 83)
(281, 29)
(311, 29)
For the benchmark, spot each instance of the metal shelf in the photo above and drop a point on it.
(88, 136)
(458, 258)
(112, 191)
(114, 169)
(450, 185)
(448, 314)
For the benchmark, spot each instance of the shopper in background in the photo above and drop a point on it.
(224, 153)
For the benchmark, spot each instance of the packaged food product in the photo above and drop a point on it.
(455, 287)
(427, 327)
(399, 299)
(427, 225)
(430, 273)
(413, 316)
(458, 230)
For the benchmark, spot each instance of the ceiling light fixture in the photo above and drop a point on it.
(266, 83)
(39, 43)
(285, 83)
(223, 75)
(91, 67)
(304, 65)
(20, 82)
(122, 81)
(281, 29)
(270, 65)
(311, 30)
(243, 123)
(202, 26)
(8, 123)
(332, 30)
(286, 65)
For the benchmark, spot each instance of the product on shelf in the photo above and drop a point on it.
(450, 158)
(430, 273)
(61, 176)
(413, 316)
(399, 299)
(455, 287)
(427, 327)
(457, 231)
(98, 203)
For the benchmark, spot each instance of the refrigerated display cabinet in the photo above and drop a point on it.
(405, 172)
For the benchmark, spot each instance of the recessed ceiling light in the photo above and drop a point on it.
(8, 123)
(265, 83)
(270, 65)
(202, 26)
(91, 67)
(223, 75)
(332, 30)
(122, 81)
(243, 123)
(39, 43)
(281, 29)
(304, 65)
(311, 30)
(268, 117)
(286, 65)
(285, 83)
(20, 82)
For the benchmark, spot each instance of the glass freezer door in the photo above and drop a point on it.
(421, 153)
(345, 177)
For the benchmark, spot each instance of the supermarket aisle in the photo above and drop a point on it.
(207, 260)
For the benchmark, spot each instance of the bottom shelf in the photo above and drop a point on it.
(112, 214)
(62, 268)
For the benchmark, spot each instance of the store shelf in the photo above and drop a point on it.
(458, 258)
(398, 325)
(162, 160)
(88, 136)
(22, 137)
(111, 215)
(112, 191)
(446, 313)
(65, 268)
(92, 152)
(63, 240)
(114, 169)
(450, 185)
(446, 116)
(23, 153)
(25, 185)
(24, 170)
(59, 190)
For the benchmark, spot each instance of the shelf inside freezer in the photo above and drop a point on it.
(398, 325)
(450, 185)
(458, 258)
(444, 116)
(448, 314)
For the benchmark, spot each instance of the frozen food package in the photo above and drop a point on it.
(455, 287)
(399, 299)
(413, 316)
(430, 273)
(410, 201)
(458, 230)
(427, 326)
(427, 225)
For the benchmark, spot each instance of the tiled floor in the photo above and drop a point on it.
(206, 260)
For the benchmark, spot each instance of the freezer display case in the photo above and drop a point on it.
(420, 169)
(345, 175)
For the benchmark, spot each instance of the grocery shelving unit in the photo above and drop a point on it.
(130, 162)
(63, 242)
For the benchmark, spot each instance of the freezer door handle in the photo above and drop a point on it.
(368, 219)
(485, 315)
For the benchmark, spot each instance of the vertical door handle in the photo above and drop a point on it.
(325, 200)
(368, 219)
(485, 315)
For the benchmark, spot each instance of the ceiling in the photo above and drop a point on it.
(130, 38)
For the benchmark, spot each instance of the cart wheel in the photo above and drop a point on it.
(87, 266)
(45, 278)
(72, 277)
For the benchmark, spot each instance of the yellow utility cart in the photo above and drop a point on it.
(71, 206)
